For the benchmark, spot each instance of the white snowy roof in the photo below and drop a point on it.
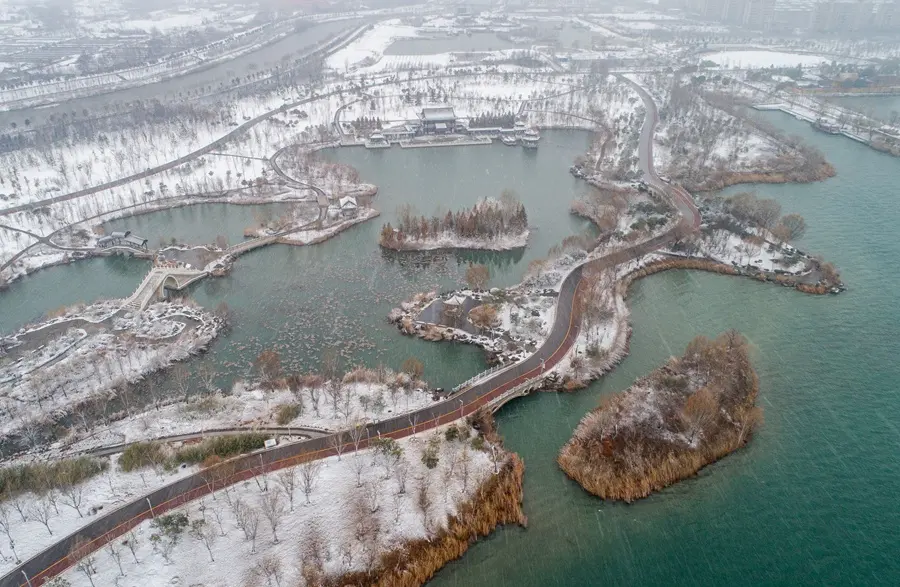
(438, 114)
(347, 202)
(456, 300)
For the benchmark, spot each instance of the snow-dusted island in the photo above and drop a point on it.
(490, 224)
(668, 425)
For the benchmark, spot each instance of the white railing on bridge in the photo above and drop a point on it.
(480, 376)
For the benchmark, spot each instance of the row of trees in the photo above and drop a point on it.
(766, 214)
(487, 219)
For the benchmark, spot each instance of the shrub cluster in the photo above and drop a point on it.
(39, 477)
(221, 446)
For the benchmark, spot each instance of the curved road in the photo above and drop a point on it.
(54, 559)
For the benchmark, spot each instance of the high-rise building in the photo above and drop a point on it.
(759, 14)
(842, 15)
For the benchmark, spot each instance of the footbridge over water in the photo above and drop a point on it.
(157, 281)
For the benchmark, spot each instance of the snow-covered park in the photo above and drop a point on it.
(297, 525)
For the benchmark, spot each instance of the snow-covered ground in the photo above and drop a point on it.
(763, 59)
(96, 496)
(370, 47)
(76, 359)
(358, 506)
(250, 406)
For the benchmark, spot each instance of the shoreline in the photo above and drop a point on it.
(732, 178)
(497, 502)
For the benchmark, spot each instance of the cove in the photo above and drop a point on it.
(811, 500)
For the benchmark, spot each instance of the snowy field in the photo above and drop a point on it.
(333, 516)
(370, 47)
(763, 59)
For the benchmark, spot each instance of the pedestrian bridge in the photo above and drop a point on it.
(157, 281)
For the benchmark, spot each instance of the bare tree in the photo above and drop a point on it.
(250, 526)
(42, 512)
(336, 441)
(309, 474)
(82, 555)
(205, 534)
(19, 504)
(115, 553)
(424, 501)
(182, 378)
(269, 568)
(131, 542)
(465, 466)
(372, 493)
(273, 509)
(334, 390)
(288, 479)
(401, 474)
(477, 276)
(73, 495)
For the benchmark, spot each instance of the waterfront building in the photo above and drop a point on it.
(438, 120)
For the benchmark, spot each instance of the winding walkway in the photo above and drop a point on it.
(54, 559)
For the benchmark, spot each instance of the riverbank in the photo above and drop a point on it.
(668, 425)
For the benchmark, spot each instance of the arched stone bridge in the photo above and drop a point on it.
(157, 281)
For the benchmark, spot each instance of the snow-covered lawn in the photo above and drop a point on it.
(358, 506)
(96, 496)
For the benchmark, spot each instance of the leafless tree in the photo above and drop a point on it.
(19, 504)
(424, 501)
(337, 442)
(309, 474)
(465, 465)
(288, 479)
(372, 493)
(83, 556)
(359, 465)
(40, 510)
(217, 514)
(115, 553)
(205, 534)
(182, 378)
(700, 411)
(131, 542)
(73, 495)
(250, 526)
(333, 389)
(273, 509)
(401, 474)
(269, 568)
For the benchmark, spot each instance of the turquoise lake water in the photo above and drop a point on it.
(810, 501)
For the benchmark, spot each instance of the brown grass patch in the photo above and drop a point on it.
(668, 425)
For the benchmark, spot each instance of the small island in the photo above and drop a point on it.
(494, 225)
(668, 425)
